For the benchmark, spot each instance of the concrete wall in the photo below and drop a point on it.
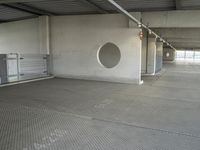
(19, 37)
(25, 37)
(30, 39)
(75, 41)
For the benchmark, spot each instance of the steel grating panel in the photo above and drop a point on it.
(60, 114)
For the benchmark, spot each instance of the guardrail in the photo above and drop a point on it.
(18, 67)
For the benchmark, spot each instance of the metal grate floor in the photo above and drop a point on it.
(64, 114)
(24, 128)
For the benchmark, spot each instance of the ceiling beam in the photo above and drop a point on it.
(31, 9)
(178, 4)
(196, 7)
(19, 9)
(187, 48)
(183, 40)
(150, 9)
(17, 19)
(2, 21)
(95, 6)
(17, 1)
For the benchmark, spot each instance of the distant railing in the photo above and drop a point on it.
(16, 67)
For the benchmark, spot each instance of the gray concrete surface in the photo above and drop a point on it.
(76, 40)
(60, 114)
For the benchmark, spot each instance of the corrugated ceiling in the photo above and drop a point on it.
(21, 9)
(9, 14)
(141, 5)
(64, 6)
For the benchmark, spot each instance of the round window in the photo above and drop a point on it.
(109, 55)
(167, 54)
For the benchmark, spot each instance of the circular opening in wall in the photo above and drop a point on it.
(109, 55)
(167, 54)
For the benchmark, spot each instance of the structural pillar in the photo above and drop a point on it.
(159, 56)
(144, 53)
(44, 38)
(151, 56)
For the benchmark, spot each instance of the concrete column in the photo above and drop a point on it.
(169, 54)
(44, 40)
(151, 55)
(144, 53)
(44, 35)
(159, 56)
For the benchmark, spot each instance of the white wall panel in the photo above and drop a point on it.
(75, 41)
(20, 37)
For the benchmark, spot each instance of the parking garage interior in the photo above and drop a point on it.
(99, 75)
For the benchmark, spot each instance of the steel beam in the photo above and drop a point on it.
(1, 21)
(178, 4)
(95, 6)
